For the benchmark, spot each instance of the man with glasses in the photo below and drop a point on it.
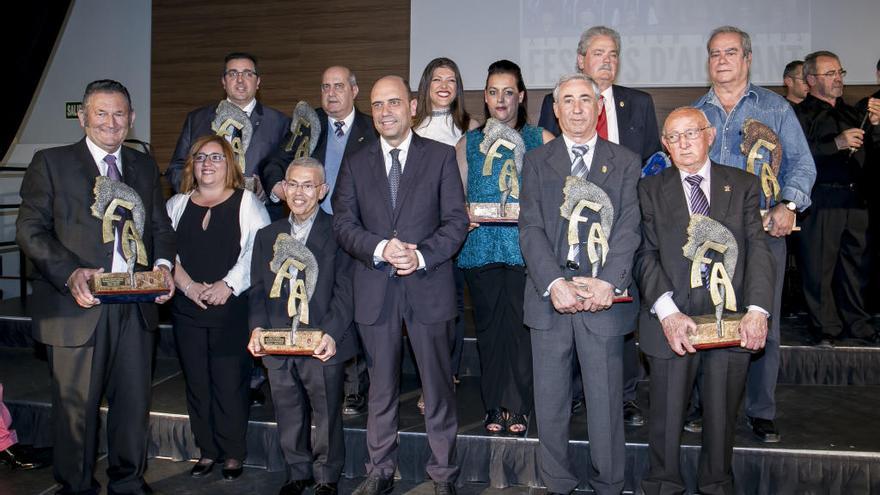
(241, 80)
(793, 78)
(732, 100)
(307, 389)
(696, 185)
(834, 242)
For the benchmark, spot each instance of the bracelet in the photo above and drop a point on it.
(187, 287)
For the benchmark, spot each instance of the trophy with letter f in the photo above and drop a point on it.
(305, 128)
(497, 135)
(234, 125)
(584, 200)
(708, 240)
(296, 270)
(121, 211)
(763, 151)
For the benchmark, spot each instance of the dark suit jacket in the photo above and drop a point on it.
(430, 213)
(57, 232)
(330, 307)
(542, 230)
(661, 266)
(636, 120)
(269, 124)
(362, 134)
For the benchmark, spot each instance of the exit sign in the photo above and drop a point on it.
(71, 108)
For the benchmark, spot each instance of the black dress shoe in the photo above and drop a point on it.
(354, 404)
(296, 487)
(256, 397)
(632, 415)
(232, 469)
(444, 488)
(202, 468)
(375, 485)
(764, 429)
(694, 425)
(20, 457)
(326, 489)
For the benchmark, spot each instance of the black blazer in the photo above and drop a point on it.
(330, 307)
(269, 125)
(362, 134)
(57, 232)
(636, 120)
(661, 266)
(430, 213)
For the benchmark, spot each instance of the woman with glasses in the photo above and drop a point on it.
(216, 221)
(491, 259)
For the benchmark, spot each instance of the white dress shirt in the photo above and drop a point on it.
(346, 123)
(247, 108)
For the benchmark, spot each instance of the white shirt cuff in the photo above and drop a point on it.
(664, 306)
(421, 260)
(377, 253)
(759, 309)
(547, 292)
(163, 262)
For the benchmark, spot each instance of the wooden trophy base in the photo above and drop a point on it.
(490, 213)
(278, 341)
(706, 335)
(110, 288)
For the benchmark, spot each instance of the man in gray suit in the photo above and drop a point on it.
(567, 309)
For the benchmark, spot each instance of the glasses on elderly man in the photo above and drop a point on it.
(214, 157)
(307, 188)
(235, 74)
(832, 73)
(689, 134)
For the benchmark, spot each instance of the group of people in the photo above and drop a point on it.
(382, 206)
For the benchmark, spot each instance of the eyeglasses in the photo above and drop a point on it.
(307, 188)
(832, 73)
(689, 134)
(214, 157)
(235, 74)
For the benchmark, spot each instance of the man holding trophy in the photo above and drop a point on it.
(703, 258)
(89, 208)
(301, 316)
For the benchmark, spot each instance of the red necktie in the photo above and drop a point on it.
(602, 123)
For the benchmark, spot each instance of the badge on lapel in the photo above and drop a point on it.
(726, 188)
(621, 104)
(604, 169)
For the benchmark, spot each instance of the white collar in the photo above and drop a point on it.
(247, 108)
(403, 147)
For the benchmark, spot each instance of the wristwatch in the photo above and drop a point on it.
(790, 205)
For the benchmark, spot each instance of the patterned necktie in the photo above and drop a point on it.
(578, 166)
(339, 131)
(113, 173)
(394, 176)
(602, 123)
(578, 169)
(699, 206)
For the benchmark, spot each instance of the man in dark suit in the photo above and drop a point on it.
(240, 80)
(95, 349)
(569, 311)
(330, 309)
(344, 130)
(399, 210)
(626, 117)
(731, 196)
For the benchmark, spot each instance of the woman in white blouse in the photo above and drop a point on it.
(440, 112)
(216, 221)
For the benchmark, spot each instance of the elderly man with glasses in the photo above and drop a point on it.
(834, 242)
(731, 101)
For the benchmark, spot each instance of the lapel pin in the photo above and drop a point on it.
(360, 139)
(726, 188)
(621, 104)
(604, 169)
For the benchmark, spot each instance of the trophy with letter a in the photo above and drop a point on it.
(305, 128)
(586, 203)
(763, 151)
(497, 135)
(708, 240)
(296, 272)
(234, 125)
(121, 211)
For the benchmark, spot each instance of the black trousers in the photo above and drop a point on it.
(836, 270)
(306, 391)
(116, 363)
(217, 367)
(722, 384)
(505, 347)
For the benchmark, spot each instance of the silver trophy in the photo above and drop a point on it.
(235, 126)
(499, 135)
(305, 129)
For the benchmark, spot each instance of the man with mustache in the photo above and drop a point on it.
(626, 117)
(835, 234)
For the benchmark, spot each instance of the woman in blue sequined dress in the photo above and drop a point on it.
(491, 258)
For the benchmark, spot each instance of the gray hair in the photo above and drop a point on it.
(811, 59)
(744, 37)
(588, 35)
(307, 162)
(575, 76)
